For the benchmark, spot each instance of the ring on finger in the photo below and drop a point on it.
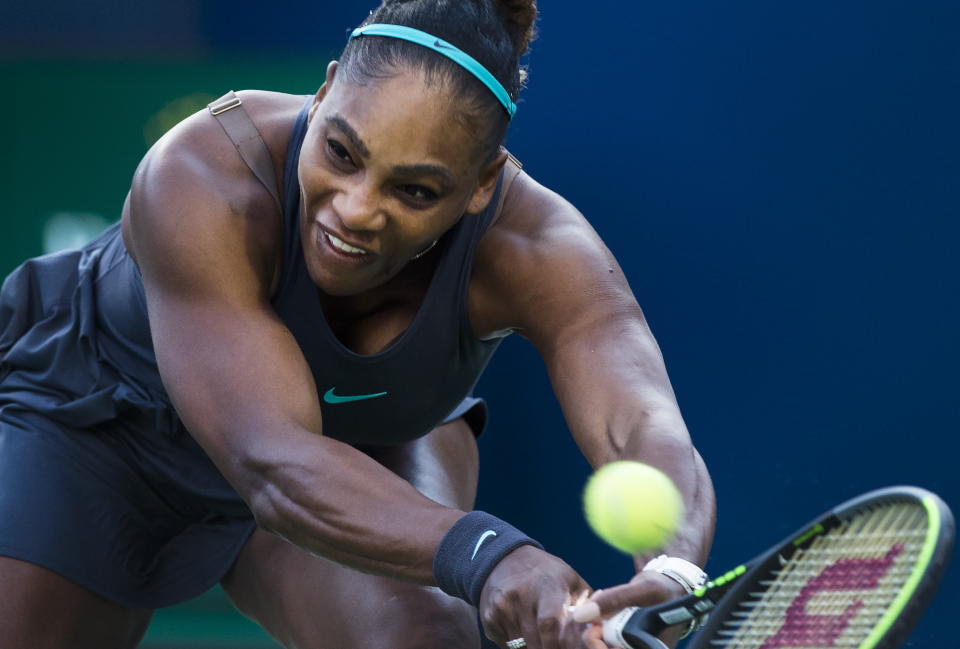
(516, 643)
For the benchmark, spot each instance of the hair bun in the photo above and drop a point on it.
(521, 19)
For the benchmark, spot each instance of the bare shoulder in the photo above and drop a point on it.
(198, 152)
(273, 113)
(531, 207)
(539, 264)
(538, 221)
(192, 189)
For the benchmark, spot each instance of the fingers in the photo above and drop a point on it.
(570, 635)
(592, 637)
(529, 630)
(501, 623)
(549, 625)
(588, 610)
(536, 634)
(646, 589)
(607, 602)
(529, 595)
(547, 628)
(508, 618)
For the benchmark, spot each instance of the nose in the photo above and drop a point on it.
(358, 208)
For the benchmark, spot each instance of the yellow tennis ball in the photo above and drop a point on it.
(632, 506)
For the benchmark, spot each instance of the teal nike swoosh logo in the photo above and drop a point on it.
(483, 537)
(330, 397)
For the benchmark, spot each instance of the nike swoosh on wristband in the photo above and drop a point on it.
(483, 537)
(330, 397)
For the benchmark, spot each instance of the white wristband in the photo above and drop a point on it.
(687, 574)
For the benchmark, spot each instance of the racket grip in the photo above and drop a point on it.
(613, 634)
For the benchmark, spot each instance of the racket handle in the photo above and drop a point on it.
(614, 636)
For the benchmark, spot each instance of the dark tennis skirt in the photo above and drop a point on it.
(99, 481)
(141, 518)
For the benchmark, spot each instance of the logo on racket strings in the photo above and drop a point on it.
(803, 629)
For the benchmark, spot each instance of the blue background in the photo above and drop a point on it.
(778, 180)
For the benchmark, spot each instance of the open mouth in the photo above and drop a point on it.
(343, 246)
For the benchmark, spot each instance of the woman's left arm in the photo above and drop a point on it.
(544, 273)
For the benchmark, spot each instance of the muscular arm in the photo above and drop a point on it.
(563, 290)
(205, 238)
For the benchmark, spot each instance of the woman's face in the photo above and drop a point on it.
(385, 170)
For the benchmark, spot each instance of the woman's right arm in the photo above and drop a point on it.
(197, 228)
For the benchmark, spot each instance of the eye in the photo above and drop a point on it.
(338, 151)
(418, 192)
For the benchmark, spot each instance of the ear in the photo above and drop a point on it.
(322, 91)
(486, 183)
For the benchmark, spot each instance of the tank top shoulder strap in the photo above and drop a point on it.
(292, 253)
(475, 229)
(236, 123)
(511, 169)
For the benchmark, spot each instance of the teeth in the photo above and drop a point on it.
(344, 246)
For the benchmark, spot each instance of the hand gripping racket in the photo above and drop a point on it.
(858, 577)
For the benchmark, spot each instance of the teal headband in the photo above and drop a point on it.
(450, 51)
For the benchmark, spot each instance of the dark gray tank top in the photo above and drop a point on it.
(75, 342)
(422, 375)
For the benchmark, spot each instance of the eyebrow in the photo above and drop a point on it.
(442, 173)
(427, 170)
(341, 123)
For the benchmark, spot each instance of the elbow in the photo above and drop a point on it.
(283, 500)
(275, 511)
(264, 507)
(261, 488)
(254, 477)
(287, 513)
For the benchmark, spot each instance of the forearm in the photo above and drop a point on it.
(334, 501)
(681, 461)
(656, 435)
(619, 404)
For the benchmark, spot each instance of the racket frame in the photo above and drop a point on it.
(725, 592)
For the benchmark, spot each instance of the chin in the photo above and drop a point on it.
(347, 285)
(339, 286)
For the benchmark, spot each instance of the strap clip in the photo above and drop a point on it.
(230, 103)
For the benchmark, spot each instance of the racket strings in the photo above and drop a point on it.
(832, 594)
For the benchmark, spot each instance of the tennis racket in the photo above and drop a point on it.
(857, 577)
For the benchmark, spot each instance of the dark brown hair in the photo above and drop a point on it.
(494, 32)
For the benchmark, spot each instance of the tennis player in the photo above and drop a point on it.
(261, 376)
